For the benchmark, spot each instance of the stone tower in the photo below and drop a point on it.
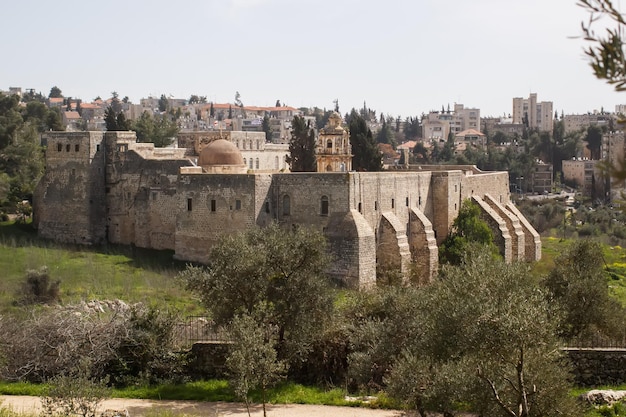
(333, 152)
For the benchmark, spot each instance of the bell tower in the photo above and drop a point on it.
(333, 151)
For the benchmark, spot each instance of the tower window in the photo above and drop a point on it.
(67, 147)
(76, 147)
(324, 206)
(267, 206)
(393, 203)
(257, 163)
(189, 204)
(59, 147)
(213, 205)
(360, 208)
(407, 201)
(329, 144)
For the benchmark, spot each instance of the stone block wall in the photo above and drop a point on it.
(597, 367)
(501, 234)
(209, 206)
(69, 203)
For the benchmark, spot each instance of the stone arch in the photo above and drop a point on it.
(423, 247)
(499, 229)
(329, 168)
(392, 247)
(352, 242)
(514, 226)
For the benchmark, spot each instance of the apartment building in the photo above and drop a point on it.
(539, 115)
(438, 125)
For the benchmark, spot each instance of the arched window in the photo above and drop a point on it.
(276, 163)
(286, 205)
(324, 206)
(251, 163)
(257, 163)
(244, 161)
(329, 144)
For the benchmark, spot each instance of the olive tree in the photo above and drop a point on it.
(283, 269)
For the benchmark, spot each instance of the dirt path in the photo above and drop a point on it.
(24, 404)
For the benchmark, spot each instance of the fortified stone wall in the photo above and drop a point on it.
(141, 195)
(69, 203)
(209, 206)
(495, 184)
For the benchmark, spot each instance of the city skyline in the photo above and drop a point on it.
(401, 57)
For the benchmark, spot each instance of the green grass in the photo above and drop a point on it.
(614, 258)
(215, 390)
(86, 273)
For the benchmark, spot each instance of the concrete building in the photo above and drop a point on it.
(104, 187)
(438, 125)
(539, 115)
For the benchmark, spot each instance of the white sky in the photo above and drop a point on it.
(402, 57)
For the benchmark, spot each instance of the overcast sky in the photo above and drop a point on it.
(402, 57)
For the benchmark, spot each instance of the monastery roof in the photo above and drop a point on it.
(220, 152)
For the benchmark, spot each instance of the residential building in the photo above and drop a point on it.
(439, 125)
(537, 115)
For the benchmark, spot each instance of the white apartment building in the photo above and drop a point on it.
(438, 125)
(540, 115)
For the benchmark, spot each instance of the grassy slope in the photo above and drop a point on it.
(91, 273)
(614, 257)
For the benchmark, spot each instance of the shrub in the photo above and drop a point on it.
(38, 288)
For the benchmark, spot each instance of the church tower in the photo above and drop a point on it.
(333, 151)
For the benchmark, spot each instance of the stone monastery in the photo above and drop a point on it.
(105, 187)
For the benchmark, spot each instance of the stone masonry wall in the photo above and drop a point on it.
(597, 367)
(69, 199)
(211, 205)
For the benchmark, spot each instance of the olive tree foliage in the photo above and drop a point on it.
(482, 335)
(607, 55)
(253, 361)
(283, 269)
(578, 284)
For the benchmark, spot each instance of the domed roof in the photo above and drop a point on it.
(220, 152)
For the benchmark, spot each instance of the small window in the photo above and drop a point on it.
(245, 161)
(189, 204)
(76, 147)
(329, 144)
(251, 163)
(59, 147)
(455, 188)
(407, 201)
(419, 201)
(237, 204)
(98, 148)
(257, 163)
(375, 205)
(267, 206)
(455, 206)
(154, 195)
(324, 206)
(393, 203)
(213, 205)
(360, 208)
(286, 205)
(276, 163)
(67, 147)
